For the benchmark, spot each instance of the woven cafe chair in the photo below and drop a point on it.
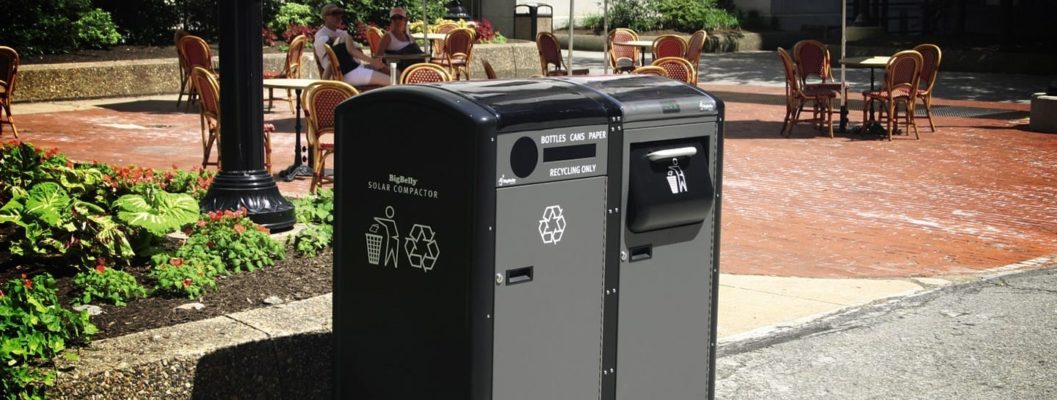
(424, 73)
(902, 74)
(9, 62)
(374, 39)
(291, 69)
(623, 58)
(320, 100)
(208, 89)
(185, 70)
(197, 54)
(678, 68)
(812, 60)
(651, 70)
(489, 72)
(551, 55)
(693, 49)
(458, 51)
(335, 66)
(796, 97)
(930, 66)
(669, 46)
(438, 45)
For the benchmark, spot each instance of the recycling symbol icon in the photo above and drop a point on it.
(421, 247)
(552, 226)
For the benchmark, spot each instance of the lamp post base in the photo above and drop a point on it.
(256, 192)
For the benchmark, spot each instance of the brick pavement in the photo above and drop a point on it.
(977, 194)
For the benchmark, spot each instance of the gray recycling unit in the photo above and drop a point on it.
(543, 239)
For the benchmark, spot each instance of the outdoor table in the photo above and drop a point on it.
(430, 36)
(873, 63)
(298, 168)
(644, 44)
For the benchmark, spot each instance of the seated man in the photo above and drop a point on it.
(357, 68)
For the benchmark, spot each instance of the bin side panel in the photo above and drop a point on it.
(406, 203)
(548, 326)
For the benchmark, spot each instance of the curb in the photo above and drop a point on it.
(261, 353)
(846, 318)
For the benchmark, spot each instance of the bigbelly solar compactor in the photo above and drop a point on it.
(536, 239)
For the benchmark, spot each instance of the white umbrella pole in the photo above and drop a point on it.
(425, 26)
(605, 37)
(569, 64)
(843, 49)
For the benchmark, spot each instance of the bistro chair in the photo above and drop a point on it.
(9, 62)
(812, 60)
(678, 68)
(693, 49)
(374, 39)
(623, 58)
(335, 66)
(424, 73)
(902, 75)
(291, 69)
(438, 45)
(205, 84)
(551, 55)
(669, 46)
(651, 70)
(185, 71)
(197, 54)
(489, 72)
(930, 66)
(797, 96)
(458, 50)
(320, 100)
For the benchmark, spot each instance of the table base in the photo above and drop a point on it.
(294, 171)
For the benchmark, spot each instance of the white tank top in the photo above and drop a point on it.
(395, 44)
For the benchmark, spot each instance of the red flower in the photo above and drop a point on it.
(240, 229)
(263, 229)
(100, 265)
(1, 294)
(201, 223)
(176, 261)
(26, 282)
(187, 282)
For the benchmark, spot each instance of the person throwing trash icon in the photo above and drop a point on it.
(385, 229)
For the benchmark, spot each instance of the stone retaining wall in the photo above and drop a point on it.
(75, 81)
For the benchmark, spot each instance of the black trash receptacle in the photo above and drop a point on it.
(530, 19)
(527, 239)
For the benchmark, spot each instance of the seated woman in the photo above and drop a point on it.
(357, 68)
(397, 40)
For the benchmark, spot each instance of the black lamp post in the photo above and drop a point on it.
(242, 181)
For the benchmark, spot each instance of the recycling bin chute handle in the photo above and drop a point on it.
(668, 154)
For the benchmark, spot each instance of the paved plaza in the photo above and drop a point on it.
(865, 214)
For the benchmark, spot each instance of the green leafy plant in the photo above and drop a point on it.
(156, 211)
(95, 29)
(294, 14)
(108, 284)
(34, 330)
(230, 235)
(189, 277)
(54, 224)
(313, 239)
(317, 212)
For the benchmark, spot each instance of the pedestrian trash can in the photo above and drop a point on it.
(527, 239)
(531, 19)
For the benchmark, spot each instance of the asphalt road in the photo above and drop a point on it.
(993, 339)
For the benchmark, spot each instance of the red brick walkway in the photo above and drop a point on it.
(977, 194)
